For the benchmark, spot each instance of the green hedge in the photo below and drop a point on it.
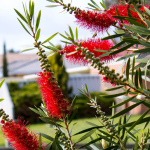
(23, 98)
(85, 110)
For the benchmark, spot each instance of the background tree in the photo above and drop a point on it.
(5, 68)
(57, 66)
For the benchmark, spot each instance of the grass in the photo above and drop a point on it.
(80, 125)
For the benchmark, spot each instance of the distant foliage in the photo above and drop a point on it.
(5, 69)
(23, 98)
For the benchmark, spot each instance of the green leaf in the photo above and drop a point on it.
(64, 36)
(121, 49)
(21, 16)
(91, 5)
(107, 139)
(71, 33)
(126, 110)
(1, 83)
(52, 5)
(140, 79)
(130, 40)
(23, 26)
(116, 88)
(147, 44)
(66, 42)
(38, 34)
(142, 50)
(1, 99)
(50, 38)
(32, 10)
(38, 21)
(117, 45)
(133, 64)
(94, 3)
(36, 111)
(128, 69)
(73, 115)
(113, 36)
(86, 136)
(139, 120)
(58, 145)
(113, 95)
(27, 49)
(50, 121)
(76, 34)
(136, 79)
(124, 102)
(136, 144)
(147, 10)
(39, 141)
(91, 142)
(47, 137)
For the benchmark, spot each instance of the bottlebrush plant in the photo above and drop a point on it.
(131, 19)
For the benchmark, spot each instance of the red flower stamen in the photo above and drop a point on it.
(91, 45)
(99, 22)
(19, 136)
(56, 103)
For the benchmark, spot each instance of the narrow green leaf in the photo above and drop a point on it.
(47, 137)
(1, 83)
(94, 3)
(124, 102)
(126, 110)
(58, 145)
(133, 64)
(128, 69)
(39, 141)
(52, 5)
(147, 44)
(113, 36)
(66, 42)
(140, 79)
(23, 26)
(147, 10)
(121, 49)
(139, 120)
(119, 123)
(116, 88)
(38, 21)
(32, 11)
(136, 79)
(117, 45)
(130, 40)
(27, 49)
(71, 32)
(76, 34)
(1, 99)
(38, 34)
(144, 50)
(91, 5)
(91, 142)
(73, 115)
(21, 16)
(50, 38)
(113, 95)
(86, 136)
(34, 110)
(136, 144)
(107, 139)
(89, 129)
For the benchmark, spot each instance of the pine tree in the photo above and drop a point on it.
(59, 70)
(5, 70)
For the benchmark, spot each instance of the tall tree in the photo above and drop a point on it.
(59, 70)
(5, 69)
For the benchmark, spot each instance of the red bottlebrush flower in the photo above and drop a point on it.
(91, 44)
(95, 21)
(19, 136)
(98, 22)
(56, 103)
(105, 79)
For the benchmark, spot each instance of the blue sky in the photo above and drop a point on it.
(52, 21)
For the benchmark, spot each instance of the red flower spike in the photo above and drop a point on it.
(91, 44)
(20, 137)
(95, 21)
(99, 22)
(105, 79)
(56, 103)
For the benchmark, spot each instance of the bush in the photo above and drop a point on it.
(24, 97)
(85, 111)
